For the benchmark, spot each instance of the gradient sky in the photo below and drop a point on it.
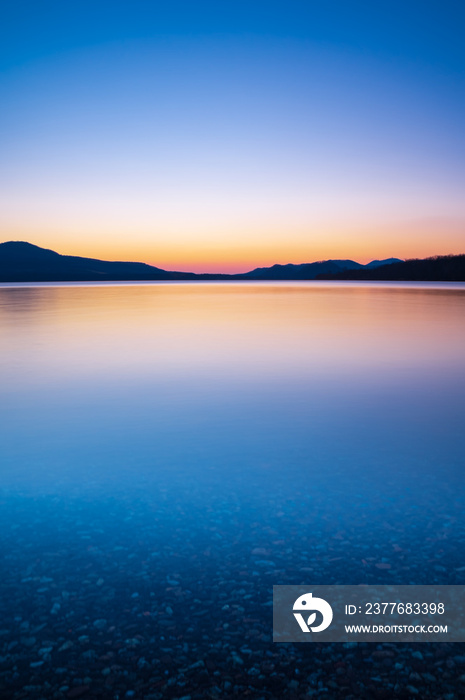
(220, 136)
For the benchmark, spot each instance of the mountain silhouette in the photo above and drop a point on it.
(310, 271)
(23, 262)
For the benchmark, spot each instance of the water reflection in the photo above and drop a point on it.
(269, 333)
(180, 377)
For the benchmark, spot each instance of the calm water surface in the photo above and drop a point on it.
(169, 449)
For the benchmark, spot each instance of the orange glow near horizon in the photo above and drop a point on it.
(235, 254)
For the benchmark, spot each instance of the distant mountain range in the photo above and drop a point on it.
(311, 271)
(24, 262)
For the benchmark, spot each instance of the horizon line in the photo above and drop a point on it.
(258, 267)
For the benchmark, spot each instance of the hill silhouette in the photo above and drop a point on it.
(310, 271)
(24, 262)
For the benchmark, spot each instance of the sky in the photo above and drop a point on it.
(223, 136)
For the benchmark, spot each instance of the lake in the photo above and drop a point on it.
(171, 451)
